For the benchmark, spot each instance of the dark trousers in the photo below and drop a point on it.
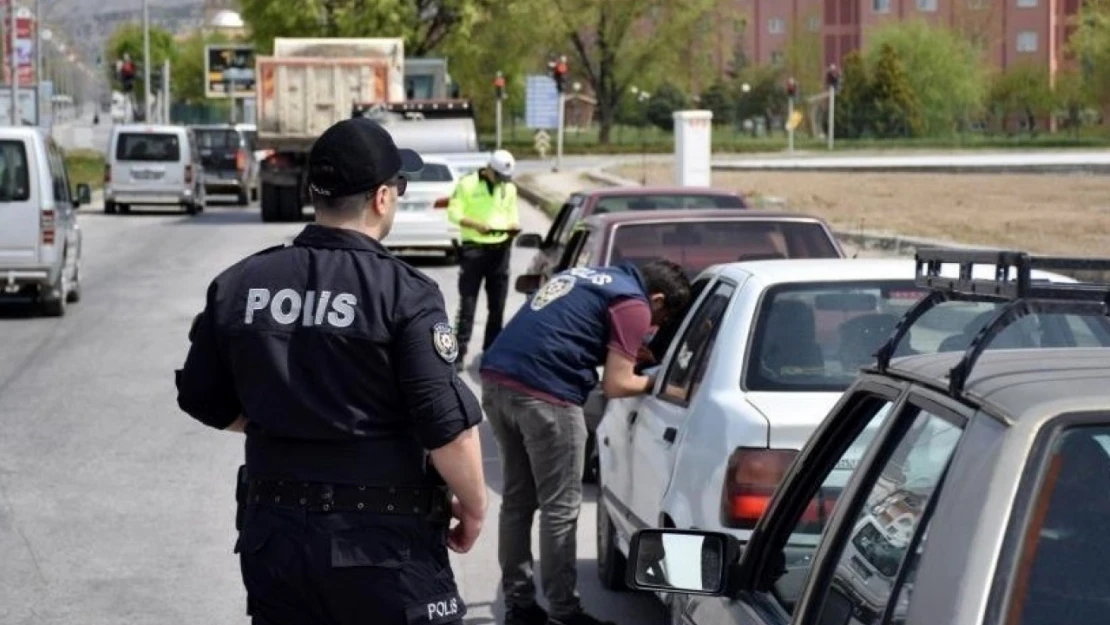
(315, 568)
(477, 263)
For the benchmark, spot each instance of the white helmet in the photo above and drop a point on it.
(503, 163)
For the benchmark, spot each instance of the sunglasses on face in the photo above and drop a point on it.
(400, 183)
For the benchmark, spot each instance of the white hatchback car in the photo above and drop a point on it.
(764, 353)
(421, 222)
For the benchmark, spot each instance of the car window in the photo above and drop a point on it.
(878, 539)
(585, 253)
(556, 229)
(697, 341)
(817, 336)
(148, 147)
(696, 245)
(623, 203)
(58, 177)
(1061, 575)
(432, 172)
(15, 185)
(213, 139)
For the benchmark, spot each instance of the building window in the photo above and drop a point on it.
(815, 23)
(1027, 3)
(777, 58)
(1027, 41)
(880, 6)
(776, 26)
(927, 6)
(978, 4)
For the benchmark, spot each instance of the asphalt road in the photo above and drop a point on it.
(116, 508)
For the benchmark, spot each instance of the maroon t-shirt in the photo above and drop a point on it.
(629, 323)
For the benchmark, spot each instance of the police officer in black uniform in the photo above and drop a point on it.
(336, 360)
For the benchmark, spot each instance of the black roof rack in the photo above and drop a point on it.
(1012, 284)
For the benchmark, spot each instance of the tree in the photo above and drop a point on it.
(425, 24)
(1074, 98)
(1091, 45)
(944, 71)
(128, 39)
(805, 57)
(718, 99)
(766, 94)
(853, 101)
(618, 43)
(663, 103)
(1021, 90)
(896, 111)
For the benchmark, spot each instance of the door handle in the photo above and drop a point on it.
(670, 434)
(605, 441)
(632, 417)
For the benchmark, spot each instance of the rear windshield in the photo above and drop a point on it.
(217, 139)
(622, 203)
(15, 183)
(697, 245)
(816, 337)
(432, 172)
(148, 146)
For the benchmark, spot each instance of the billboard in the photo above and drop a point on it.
(24, 44)
(229, 69)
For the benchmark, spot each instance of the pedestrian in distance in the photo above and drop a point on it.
(484, 206)
(336, 360)
(535, 379)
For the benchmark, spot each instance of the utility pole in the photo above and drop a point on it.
(166, 91)
(146, 61)
(12, 36)
(38, 62)
(832, 81)
(499, 89)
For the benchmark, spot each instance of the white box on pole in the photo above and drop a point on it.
(693, 143)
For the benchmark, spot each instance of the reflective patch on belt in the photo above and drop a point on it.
(436, 610)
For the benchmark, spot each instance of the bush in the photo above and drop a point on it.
(85, 166)
(663, 103)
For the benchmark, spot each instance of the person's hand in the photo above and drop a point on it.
(644, 356)
(482, 228)
(464, 534)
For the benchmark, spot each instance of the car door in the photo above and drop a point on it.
(63, 201)
(857, 561)
(19, 205)
(562, 227)
(653, 429)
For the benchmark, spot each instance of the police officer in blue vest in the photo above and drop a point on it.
(337, 361)
(535, 378)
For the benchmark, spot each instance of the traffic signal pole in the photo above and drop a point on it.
(559, 71)
(146, 61)
(499, 87)
(832, 81)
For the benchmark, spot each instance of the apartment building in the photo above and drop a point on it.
(1012, 32)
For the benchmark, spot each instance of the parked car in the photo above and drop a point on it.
(976, 491)
(228, 157)
(693, 238)
(40, 239)
(153, 165)
(616, 200)
(756, 365)
(421, 220)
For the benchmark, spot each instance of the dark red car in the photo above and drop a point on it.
(617, 200)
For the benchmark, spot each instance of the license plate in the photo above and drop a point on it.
(145, 174)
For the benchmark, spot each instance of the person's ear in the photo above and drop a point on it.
(657, 300)
(379, 201)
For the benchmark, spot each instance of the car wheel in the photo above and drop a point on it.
(74, 294)
(254, 194)
(610, 561)
(109, 208)
(56, 306)
(125, 208)
(592, 470)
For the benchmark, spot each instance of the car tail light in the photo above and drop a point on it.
(750, 480)
(107, 173)
(241, 159)
(441, 203)
(47, 226)
(188, 174)
(278, 161)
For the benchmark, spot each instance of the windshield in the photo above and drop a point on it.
(622, 203)
(148, 146)
(217, 139)
(432, 172)
(696, 245)
(816, 337)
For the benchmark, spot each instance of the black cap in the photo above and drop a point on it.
(354, 156)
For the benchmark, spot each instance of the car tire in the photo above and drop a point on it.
(254, 194)
(74, 294)
(244, 198)
(191, 208)
(268, 204)
(124, 208)
(610, 561)
(56, 307)
(592, 471)
(110, 208)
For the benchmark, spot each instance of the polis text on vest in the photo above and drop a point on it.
(311, 308)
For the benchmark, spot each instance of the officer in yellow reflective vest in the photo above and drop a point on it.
(484, 207)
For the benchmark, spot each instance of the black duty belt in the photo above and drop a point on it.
(428, 501)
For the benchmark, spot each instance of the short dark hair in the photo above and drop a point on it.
(668, 278)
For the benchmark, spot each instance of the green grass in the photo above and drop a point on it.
(629, 140)
(85, 166)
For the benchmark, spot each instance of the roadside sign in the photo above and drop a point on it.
(794, 121)
(541, 103)
(542, 143)
(229, 69)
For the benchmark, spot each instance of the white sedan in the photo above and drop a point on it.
(421, 223)
(764, 353)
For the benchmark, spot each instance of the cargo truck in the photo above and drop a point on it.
(310, 84)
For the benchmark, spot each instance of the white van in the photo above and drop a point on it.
(153, 165)
(40, 242)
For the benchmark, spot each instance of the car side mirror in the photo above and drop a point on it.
(84, 195)
(689, 562)
(528, 283)
(529, 239)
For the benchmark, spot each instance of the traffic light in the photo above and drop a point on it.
(791, 88)
(499, 86)
(832, 77)
(559, 72)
